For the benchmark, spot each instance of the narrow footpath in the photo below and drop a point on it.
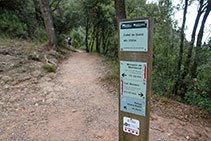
(82, 108)
(75, 104)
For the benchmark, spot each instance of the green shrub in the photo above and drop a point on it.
(49, 68)
(199, 89)
(112, 48)
(11, 25)
(40, 34)
(76, 43)
(78, 37)
(195, 98)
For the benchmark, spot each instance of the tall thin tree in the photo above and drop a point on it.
(44, 6)
(179, 83)
(182, 36)
(190, 49)
(199, 40)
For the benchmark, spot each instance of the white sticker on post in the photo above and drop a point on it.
(131, 126)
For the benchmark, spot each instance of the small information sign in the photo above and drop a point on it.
(133, 77)
(134, 35)
(131, 126)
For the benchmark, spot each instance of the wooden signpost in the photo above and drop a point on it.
(135, 59)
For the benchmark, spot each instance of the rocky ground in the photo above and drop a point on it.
(76, 103)
(21, 61)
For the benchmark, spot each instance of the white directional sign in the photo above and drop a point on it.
(134, 35)
(131, 126)
(133, 77)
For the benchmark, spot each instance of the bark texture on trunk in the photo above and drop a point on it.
(120, 9)
(182, 34)
(44, 6)
(97, 40)
(190, 49)
(87, 34)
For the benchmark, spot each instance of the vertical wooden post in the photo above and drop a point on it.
(135, 58)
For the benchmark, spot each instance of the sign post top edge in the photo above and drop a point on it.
(135, 19)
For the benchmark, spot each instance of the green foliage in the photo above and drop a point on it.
(165, 100)
(179, 98)
(61, 38)
(49, 68)
(76, 43)
(113, 50)
(112, 76)
(66, 16)
(21, 19)
(200, 88)
(40, 34)
(78, 37)
(195, 97)
(11, 24)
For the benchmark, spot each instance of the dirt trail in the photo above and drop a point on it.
(76, 105)
(82, 108)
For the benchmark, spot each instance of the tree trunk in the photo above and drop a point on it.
(97, 40)
(120, 9)
(103, 39)
(106, 43)
(199, 41)
(87, 34)
(182, 36)
(44, 6)
(190, 50)
(38, 12)
(179, 83)
(91, 44)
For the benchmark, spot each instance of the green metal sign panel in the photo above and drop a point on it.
(133, 77)
(134, 35)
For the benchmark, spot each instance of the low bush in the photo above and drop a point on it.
(49, 68)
